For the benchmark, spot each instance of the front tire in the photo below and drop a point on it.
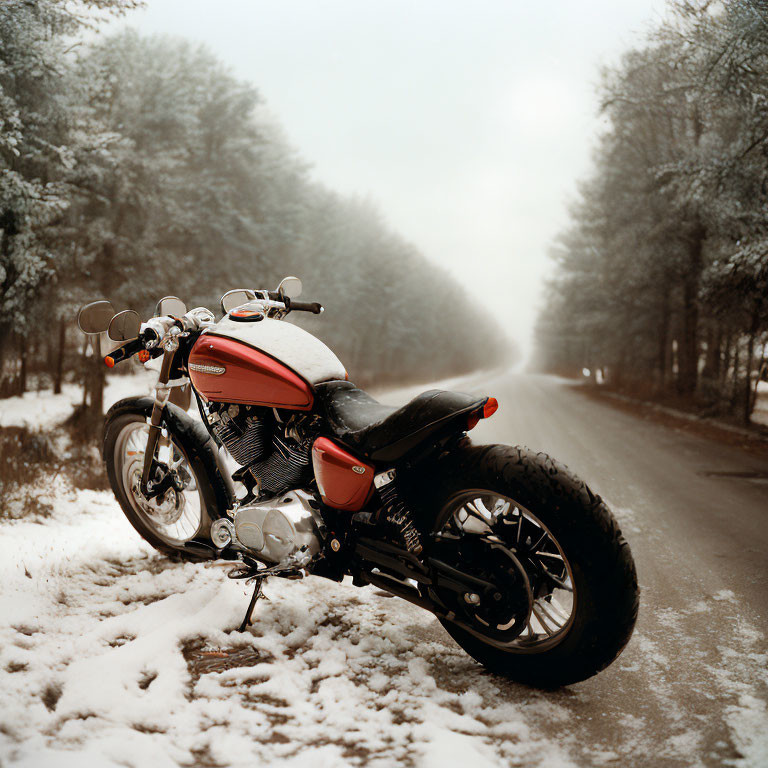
(516, 489)
(169, 522)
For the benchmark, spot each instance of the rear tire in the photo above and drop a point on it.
(602, 573)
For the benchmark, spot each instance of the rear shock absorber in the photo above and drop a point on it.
(397, 512)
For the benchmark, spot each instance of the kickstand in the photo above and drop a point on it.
(257, 593)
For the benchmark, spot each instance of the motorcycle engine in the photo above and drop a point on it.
(275, 461)
(244, 430)
(275, 529)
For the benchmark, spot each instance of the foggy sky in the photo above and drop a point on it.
(468, 123)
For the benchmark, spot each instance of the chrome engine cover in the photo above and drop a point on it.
(275, 529)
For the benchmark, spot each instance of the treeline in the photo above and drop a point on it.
(662, 277)
(137, 167)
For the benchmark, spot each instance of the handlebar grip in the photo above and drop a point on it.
(315, 307)
(123, 353)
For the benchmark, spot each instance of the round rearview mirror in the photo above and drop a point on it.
(170, 305)
(124, 326)
(236, 298)
(95, 317)
(290, 287)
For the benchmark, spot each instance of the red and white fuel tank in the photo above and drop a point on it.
(268, 362)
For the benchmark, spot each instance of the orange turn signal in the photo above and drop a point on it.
(109, 361)
(143, 355)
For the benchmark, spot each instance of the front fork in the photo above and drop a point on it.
(162, 393)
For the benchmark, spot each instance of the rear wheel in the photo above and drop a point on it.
(566, 596)
(176, 516)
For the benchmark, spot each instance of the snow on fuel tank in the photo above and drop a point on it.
(269, 362)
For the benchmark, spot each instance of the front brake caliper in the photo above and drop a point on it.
(168, 478)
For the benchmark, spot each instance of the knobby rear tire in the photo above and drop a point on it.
(604, 575)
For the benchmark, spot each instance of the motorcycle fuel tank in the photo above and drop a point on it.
(270, 363)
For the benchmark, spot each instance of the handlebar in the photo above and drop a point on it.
(304, 306)
(315, 307)
(155, 329)
(124, 352)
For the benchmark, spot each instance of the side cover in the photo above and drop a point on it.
(344, 482)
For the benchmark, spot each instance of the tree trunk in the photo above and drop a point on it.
(735, 383)
(22, 384)
(748, 401)
(717, 360)
(86, 370)
(95, 384)
(726, 363)
(59, 370)
(663, 345)
(689, 343)
(761, 371)
(97, 394)
(712, 361)
(747, 395)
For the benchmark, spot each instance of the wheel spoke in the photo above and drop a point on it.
(557, 610)
(540, 619)
(471, 507)
(530, 634)
(566, 586)
(549, 610)
(550, 554)
(534, 547)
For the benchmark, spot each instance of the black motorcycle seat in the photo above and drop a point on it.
(383, 432)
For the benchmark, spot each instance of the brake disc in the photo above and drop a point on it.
(165, 509)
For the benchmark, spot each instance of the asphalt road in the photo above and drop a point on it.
(691, 687)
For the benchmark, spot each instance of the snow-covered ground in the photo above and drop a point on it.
(92, 671)
(96, 627)
(98, 630)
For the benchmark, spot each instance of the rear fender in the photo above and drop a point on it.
(429, 439)
(194, 438)
(426, 469)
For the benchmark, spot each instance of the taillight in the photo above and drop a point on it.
(490, 407)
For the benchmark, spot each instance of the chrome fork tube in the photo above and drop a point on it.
(162, 392)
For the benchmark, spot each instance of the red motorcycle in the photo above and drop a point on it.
(293, 470)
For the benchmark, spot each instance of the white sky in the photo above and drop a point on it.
(468, 123)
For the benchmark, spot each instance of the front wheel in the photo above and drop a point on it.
(565, 595)
(170, 520)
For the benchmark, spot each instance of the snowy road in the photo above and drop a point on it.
(94, 625)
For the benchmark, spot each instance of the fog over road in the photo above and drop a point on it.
(690, 689)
